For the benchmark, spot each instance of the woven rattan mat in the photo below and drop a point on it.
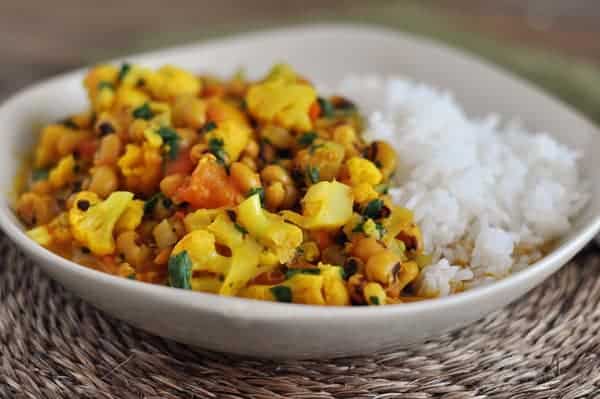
(546, 345)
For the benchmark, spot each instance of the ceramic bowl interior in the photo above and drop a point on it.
(324, 53)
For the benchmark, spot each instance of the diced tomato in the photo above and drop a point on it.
(182, 164)
(213, 90)
(314, 111)
(209, 187)
(322, 238)
(87, 148)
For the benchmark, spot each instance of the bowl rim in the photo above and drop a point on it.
(266, 310)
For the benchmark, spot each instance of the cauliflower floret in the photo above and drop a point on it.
(93, 221)
(322, 286)
(100, 83)
(128, 97)
(63, 173)
(402, 226)
(131, 217)
(326, 205)
(169, 82)
(41, 235)
(234, 135)
(282, 100)
(141, 166)
(200, 219)
(269, 229)
(361, 170)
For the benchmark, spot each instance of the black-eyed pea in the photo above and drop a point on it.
(109, 151)
(169, 184)
(252, 149)
(383, 267)
(104, 180)
(274, 196)
(249, 162)
(356, 284)
(243, 177)
(275, 173)
(365, 247)
(134, 253)
(36, 209)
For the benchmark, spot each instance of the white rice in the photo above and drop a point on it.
(486, 194)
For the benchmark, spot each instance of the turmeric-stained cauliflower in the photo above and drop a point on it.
(92, 221)
(282, 100)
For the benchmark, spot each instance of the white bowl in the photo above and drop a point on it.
(264, 329)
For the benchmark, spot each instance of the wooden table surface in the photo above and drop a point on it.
(39, 39)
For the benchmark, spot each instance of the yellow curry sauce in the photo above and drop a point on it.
(258, 189)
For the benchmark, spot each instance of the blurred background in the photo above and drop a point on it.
(555, 43)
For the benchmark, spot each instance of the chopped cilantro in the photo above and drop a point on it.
(307, 138)
(125, 68)
(358, 228)
(39, 174)
(373, 209)
(350, 267)
(374, 300)
(69, 123)
(105, 85)
(240, 228)
(326, 106)
(180, 270)
(208, 126)
(151, 203)
(170, 138)
(315, 147)
(380, 229)
(313, 174)
(282, 293)
(216, 147)
(143, 112)
(292, 272)
(257, 190)
(382, 188)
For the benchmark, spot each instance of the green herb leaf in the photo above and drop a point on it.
(170, 138)
(131, 276)
(307, 138)
(373, 209)
(240, 228)
(380, 229)
(358, 228)
(326, 106)
(374, 300)
(315, 147)
(125, 68)
(289, 273)
(216, 147)
(208, 126)
(70, 124)
(382, 188)
(313, 174)
(143, 112)
(105, 85)
(257, 190)
(282, 293)
(180, 271)
(39, 174)
(151, 203)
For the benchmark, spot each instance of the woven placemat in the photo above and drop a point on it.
(53, 345)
